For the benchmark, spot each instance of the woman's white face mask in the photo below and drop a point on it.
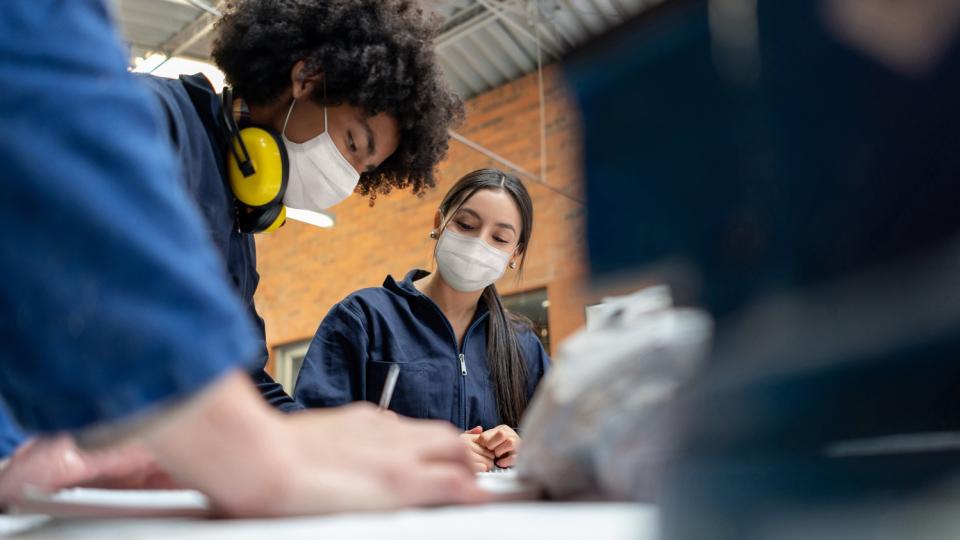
(320, 177)
(469, 264)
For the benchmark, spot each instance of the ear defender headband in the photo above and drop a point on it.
(257, 168)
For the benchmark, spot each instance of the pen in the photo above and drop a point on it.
(388, 386)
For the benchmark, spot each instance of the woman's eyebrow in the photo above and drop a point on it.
(471, 212)
(501, 225)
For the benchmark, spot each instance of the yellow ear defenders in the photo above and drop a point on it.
(257, 168)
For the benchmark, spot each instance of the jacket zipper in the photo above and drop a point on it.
(463, 370)
(460, 357)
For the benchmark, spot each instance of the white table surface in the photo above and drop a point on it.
(505, 521)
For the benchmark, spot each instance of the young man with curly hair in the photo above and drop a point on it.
(125, 329)
(361, 72)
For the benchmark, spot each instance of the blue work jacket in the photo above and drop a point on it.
(112, 301)
(11, 436)
(194, 124)
(372, 329)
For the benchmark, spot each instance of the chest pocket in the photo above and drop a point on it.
(425, 388)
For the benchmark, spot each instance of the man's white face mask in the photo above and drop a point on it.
(320, 177)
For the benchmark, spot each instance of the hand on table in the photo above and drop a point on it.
(344, 452)
(53, 463)
(252, 461)
(503, 442)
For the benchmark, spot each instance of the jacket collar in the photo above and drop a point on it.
(205, 101)
(407, 289)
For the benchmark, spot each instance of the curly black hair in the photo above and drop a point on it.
(373, 54)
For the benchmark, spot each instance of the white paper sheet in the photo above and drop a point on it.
(88, 502)
(508, 521)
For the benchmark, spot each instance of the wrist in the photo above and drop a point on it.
(228, 443)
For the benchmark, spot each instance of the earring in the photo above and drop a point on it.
(433, 234)
(513, 265)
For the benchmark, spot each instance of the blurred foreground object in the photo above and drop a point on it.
(599, 426)
(909, 36)
(769, 161)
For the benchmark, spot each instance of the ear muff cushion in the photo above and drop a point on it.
(258, 220)
(271, 168)
(275, 223)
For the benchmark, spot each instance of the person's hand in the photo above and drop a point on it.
(252, 461)
(504, 442)
(50, 464)
(425, 465)
(481, 457)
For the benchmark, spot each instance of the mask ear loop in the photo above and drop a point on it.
(283, 131)
(325, 105)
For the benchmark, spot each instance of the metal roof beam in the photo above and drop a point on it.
(619, 8)
(514, 50)
(577, 18)
(461, 17)
(628, 8)
(457, 33)
(609, 17)
(590, 20)
(477, 68)
(188, 35)
(492, 56)
(541, 26)
(514, 26)
(452, 67)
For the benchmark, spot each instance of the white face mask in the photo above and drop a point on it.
(320, 177)
(469, 264)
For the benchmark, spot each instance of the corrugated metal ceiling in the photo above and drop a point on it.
(483, 43)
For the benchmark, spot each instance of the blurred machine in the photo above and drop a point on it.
(783, 165)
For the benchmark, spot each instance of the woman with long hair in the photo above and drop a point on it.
(463, 357)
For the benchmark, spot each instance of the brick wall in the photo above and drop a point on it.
(305, 270)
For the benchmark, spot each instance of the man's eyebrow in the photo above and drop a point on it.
(371, 141)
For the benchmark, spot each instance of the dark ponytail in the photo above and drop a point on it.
(508, 367)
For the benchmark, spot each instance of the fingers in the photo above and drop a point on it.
(350, 458)
(480, 466)
(481, 463)
(503, 442)
(498, 436)
(47, 464)
(435, 443)
(506, 447)
(492, 438)
(483, 451)
(443, 484)
(495, 436)
(475, 430)
(476, 448)
(481, 458)
(507, 461)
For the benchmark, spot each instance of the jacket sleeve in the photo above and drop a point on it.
(114, 301)
(271, 390)
(195, 180)
(10, 435)
(332, 372)
(538, 361)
